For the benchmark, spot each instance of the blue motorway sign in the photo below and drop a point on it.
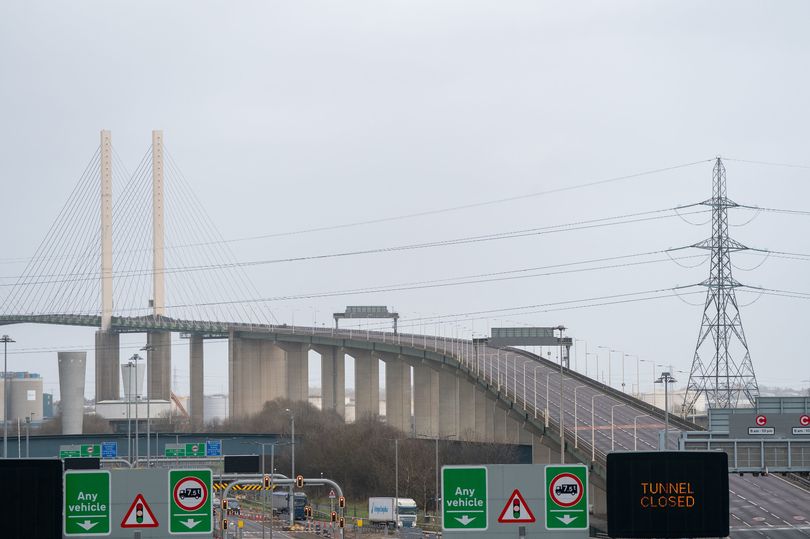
(213, 448)
(109, 450)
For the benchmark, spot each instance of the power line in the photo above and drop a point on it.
(630, 218)
(767, 163)
(422, 213)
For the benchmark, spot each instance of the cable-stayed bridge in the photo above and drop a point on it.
(156, 281)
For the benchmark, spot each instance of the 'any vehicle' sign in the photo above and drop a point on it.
(87, 502)
(464, 498)
(190, 502)
(566, 497)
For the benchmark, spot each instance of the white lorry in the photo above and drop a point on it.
(387, 512)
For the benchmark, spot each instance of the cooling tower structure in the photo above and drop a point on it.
(72, 367)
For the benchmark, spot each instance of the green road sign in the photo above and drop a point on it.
(87, 502)
(464, 498)
(195, 449)
(566, 497)
(190, 501)
(178, 451)
(69, 451)
(76, 451)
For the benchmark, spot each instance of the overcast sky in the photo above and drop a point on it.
(286, 116)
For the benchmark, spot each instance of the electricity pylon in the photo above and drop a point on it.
(728, 377)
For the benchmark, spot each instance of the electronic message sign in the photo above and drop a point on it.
(668, 494)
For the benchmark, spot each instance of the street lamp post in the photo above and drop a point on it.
(149, 349)
(5, 339)
(596, 355)
(28, 420)
(666, 379)
(292, 485)
(548, 377)
(576, 431)
(638, 380)
(561, 329)
(612, 425)
(593, 426)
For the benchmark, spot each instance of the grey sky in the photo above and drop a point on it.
(293, 115)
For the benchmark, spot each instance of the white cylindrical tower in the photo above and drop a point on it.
(72, 367)
(132, 376)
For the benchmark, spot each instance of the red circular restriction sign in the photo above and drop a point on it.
(761, 420)
(565, 490)
(190, 493)
(804, 421)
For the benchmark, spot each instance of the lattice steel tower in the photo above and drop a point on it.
(729, 376)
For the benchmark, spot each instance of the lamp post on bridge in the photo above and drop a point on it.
(638, 380)
(586, 355)
(576, 431)
(610, 364)
(593, 425)
(622, 353)
(149, 349)
(635, 430)
(535, 390)
(612, 425)
(548, 377)
(596, 355)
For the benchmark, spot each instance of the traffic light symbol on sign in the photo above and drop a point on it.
(299, 481)
(139, 513)
(342, 502)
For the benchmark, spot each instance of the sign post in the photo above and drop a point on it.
(87, 503)
(190, 502)
(464, 498)
(567, 497)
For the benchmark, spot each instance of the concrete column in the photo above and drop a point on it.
(333, 379)
(71, 389)
(158, 217)
(397, 392)
(466, 411)
(196, 369)
(297, 361)
(448, 404)
(481, 409)
(499, 431)
(366, 384)
(108, 385)
(159, 361)
(425, 401)
(543, 454)
(256, 374)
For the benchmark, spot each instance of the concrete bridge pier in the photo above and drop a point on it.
(297, 370)
(107, 358)
(333, 378)
(448, 404)
(366, 384)
(196, 368)
(256, 374)
(159, 360)
(397, 392)
(467, 411)
(425, 401)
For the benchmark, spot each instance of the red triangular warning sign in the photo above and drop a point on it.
(139, 515)
(516, 510)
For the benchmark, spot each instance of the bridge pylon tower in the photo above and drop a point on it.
(722, 370)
